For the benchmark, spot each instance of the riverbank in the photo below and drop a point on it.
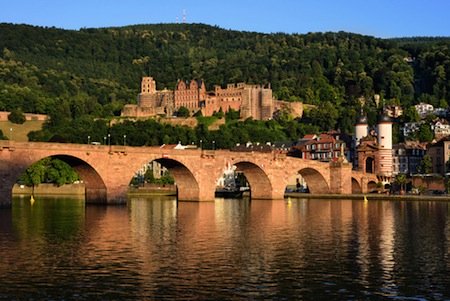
(369, 197)
(152, 189)
(50, 189)
(170, 190)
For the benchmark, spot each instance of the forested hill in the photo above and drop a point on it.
(96, 71)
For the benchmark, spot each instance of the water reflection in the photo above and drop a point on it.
(227, 249)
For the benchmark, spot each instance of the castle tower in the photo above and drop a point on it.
(361, 128)
(148, 85)
(385, 167)
(148, 89)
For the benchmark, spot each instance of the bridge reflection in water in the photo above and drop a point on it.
(227, 249)
(108, 170)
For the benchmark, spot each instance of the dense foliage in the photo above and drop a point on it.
(16, 116)
(77, 76)
(49, 170)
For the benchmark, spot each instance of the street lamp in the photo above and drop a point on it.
(124, 140)
(10, 134)
(201, 144)
(89, 139)
(104, 140)
(109, 139)
(214, 145)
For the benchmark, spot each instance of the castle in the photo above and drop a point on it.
(254, 101)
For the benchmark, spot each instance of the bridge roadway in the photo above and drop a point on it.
(107, 170)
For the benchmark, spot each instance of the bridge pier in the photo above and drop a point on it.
(340, 177)
(116, 195)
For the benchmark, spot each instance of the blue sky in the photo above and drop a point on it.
(380, 18)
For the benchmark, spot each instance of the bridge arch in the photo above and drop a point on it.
(372, 186)
(314, 180)
(257, 178)
(356, 186)
(187, 184)
(95, 188)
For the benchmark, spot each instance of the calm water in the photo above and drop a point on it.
(227, 250)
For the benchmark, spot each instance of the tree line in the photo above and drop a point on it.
(69, 74)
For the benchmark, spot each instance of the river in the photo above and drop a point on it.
(292, 249)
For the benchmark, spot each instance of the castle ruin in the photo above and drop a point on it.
(254, 101)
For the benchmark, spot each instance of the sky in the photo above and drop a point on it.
(379, 18)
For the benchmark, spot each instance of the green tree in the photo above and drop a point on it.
(401, 180)
(49, 170)
(425, 134)
(411, 115)
(16, 116)
(183, 112)
(426, 165)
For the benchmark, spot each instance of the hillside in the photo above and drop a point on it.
(69, 74)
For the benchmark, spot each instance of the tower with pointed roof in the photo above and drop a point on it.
(361, 128)
(384, 140)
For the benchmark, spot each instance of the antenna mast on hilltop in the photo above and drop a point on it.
(184, 16)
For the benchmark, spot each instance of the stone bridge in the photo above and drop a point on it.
(107, 170)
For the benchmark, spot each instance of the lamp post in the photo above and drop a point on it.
(109, 139)
(89, 139)
(124, 140)
(104, 140)
(214, 145)
(201, 144)
(10, 134)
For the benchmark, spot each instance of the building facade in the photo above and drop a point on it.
(440, 155)
(407, 157)
(323, 147)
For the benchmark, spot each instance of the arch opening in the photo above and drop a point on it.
(372, 186)
(258, 182)
(90, 181)
(356, 187)
(167, 177)
(308, 180)
(232, 183)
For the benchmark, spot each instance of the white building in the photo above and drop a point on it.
(441, 129)
(424, 109)
(410, 128)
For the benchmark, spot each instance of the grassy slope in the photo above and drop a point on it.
(20, 131)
